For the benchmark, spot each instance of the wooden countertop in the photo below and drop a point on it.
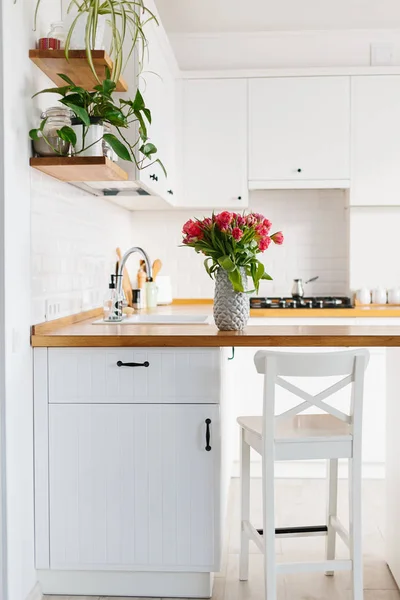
(79, 331)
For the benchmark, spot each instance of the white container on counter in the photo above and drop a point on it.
(363, 296)
(379, 295)
(163, 283)
(394, 296)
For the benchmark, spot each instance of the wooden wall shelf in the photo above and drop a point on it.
(77, 67)
(79, 168)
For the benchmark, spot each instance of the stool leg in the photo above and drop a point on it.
(331, 510)
(355, 523)
(245, 506)
(269, 523)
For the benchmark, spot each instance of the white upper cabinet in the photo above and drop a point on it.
(375, 141)
(299, 132)
(214, 144)
(158, 87)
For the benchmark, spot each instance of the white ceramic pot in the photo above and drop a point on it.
(93, 139)
(78, 36)
(379, 296)
(394, 296)
(364, 296)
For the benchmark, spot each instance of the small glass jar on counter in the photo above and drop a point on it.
(57, 117)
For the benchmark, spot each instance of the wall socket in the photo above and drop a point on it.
(52, 309)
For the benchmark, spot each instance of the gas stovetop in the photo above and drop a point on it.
(306, 303)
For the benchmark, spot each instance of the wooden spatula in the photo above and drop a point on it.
(157, 264)
(126, 282)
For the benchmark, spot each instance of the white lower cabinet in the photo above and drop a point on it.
(132, 486)
(131, 478)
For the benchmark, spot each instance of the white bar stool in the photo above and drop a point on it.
(291, 436)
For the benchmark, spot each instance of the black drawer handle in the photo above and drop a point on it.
(208, 423)
(121, 364)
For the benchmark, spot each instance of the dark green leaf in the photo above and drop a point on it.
(227, 264)
(66, 78)
(138, 103)
(43, 123)
(236, 280)
(148, 149)
(67, 134)
(75, 99)
(81, 113)
(58, 90)
(266, 276)
(147, 113)
(117, 146)
(34, 134)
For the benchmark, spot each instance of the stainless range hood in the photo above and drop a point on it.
(124, 189)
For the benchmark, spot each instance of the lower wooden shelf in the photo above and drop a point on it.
(79, 168)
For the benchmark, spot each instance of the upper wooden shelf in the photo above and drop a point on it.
(79, 168)
(76, 67)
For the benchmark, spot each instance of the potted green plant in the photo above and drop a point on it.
(95, 109)
(125, 20)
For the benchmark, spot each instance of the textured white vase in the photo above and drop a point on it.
(231, 309)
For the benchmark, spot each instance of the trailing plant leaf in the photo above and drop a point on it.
(67, 134)
(117, 146)
(80, 112)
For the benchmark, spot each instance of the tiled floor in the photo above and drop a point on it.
(301, 503)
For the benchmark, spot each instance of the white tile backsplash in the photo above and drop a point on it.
(315, 226)
(74, 237)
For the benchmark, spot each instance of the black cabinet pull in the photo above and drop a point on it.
(170, 192)
(299, 170)
(239, 197)
(208, 423)
(121, 364)
(154, 177)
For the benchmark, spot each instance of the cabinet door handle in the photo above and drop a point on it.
(121, 364)
(154, 177)
(208, 423)
(170, 192)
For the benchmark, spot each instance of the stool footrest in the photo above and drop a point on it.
(299, 531)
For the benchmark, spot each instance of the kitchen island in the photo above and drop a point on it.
(134, 428)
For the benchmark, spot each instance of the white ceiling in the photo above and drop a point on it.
(213, 16)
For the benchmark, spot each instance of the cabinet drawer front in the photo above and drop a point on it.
(91, 375)
(133, 487)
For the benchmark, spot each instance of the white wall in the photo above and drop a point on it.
(314, 223)
(374, 247)
(74, 237)
(16, 290)
(281, 49)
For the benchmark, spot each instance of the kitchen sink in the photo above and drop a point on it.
(160, 320)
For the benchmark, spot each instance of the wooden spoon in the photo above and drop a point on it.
(126, 282)
(157, 264)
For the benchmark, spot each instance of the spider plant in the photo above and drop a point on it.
(121, 115)
(126, 21)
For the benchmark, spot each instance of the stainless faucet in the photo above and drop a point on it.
(121, 270)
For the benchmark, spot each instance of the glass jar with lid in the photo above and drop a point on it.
(50, 144)
(57, 32)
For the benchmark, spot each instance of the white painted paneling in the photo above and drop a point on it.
(91, 375)
(133, 487)
(299, 128)
(214, 144)
(375, 137)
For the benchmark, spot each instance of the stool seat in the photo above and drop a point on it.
(301, 428)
